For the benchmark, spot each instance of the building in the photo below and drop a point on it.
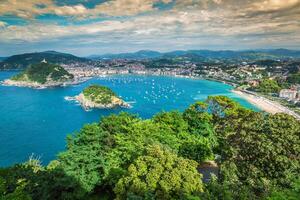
(288, 94)
(253, 83)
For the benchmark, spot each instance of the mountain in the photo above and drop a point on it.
(23, 60)
(207, 54)
(43, 73)
(143, 54)
(284, 52)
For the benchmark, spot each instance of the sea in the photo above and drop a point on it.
(35, 122)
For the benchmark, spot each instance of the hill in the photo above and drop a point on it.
(96, 96)
(41, 75)
(143, 54)
(24, 60)
(207, 54)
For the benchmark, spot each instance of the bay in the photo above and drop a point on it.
(36, 122)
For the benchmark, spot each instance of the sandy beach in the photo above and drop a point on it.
(265, 104)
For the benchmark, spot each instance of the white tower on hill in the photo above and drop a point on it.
(44, 61)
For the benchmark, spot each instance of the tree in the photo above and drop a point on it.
(160, 174)
(294, 78)
(264, 151)
(268, 86)
(292, 193)
(172, 120)
(17, 194)
(200, 122)
(83, 159)
(32, 181)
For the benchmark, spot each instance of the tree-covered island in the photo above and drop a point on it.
(97, 96)
(41, 75)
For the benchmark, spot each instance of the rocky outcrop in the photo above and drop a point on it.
(88, 104)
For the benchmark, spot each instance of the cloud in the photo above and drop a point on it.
(267, 5)
(187, 24)
(24, 8)
(2, 24)
(29, 9)
(71, 10)
(126, 7)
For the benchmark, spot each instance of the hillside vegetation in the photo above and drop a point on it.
(22, 61)
(99, 94)
(43, 73)
(126, 157)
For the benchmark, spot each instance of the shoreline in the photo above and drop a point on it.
(260, 102)
(36, 85)
(264, 103)
(87, 104)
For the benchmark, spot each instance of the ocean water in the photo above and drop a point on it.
(36, 122)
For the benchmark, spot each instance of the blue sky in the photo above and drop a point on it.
(85, 27)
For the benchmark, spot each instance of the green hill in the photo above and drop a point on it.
(24, 60)
(99, 94)
(43, 73)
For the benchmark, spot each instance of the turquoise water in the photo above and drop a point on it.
(37, 121)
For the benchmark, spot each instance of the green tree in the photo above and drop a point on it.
(200, 122)
(264, 151)
(268, 86)
(83, 159)
(160, 174)
(294, 78)
(17, 194)
(292, 193)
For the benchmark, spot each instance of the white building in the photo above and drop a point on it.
(288, 94)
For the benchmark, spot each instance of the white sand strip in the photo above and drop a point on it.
(265, 104)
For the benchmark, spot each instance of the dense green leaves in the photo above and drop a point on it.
(42, 72)
(83, 159)
(99, 94)
(294, 78)
(159, 174)
(268, 86)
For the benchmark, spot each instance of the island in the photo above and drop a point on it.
(41, 75)
(97, 96)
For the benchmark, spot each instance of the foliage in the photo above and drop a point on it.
(99, 94)
(294, 78)
(108, 148)
(43, 72)
(25, 182)
(268, 86)
(292, 193)
(217, 190)
(22, 61)
(17, 194)
(160, 174)
(265, 150)
(83, 159)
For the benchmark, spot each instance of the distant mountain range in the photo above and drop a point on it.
(2, 58)
(143, 54)
(207, 54)
(23, 60)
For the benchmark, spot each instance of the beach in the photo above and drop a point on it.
(264, 103)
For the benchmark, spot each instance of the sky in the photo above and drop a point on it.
(89, 27)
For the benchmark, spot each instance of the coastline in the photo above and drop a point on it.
(36, 85)
(88, 104)
(264, 103)
(260, 102)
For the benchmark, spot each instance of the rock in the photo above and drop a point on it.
(88, 104)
